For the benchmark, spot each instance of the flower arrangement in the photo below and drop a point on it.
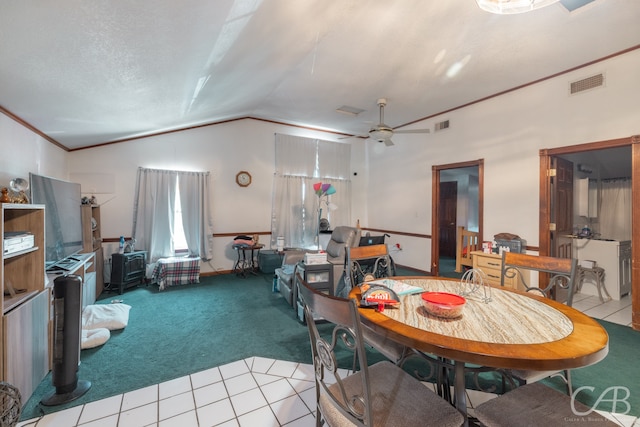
(321, 191)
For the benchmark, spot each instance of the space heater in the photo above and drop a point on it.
(67, 336)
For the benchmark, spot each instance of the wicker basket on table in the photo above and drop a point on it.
(10, 405)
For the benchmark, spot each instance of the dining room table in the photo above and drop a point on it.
(499, 328)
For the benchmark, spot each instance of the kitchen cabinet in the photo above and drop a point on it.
(614, 257)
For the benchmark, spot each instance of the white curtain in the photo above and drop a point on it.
(615, 209)
(300, 163)
(154, 212)
(196, 213)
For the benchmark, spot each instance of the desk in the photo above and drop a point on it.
(504, 333)
(246, 261)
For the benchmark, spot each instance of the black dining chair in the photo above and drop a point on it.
(556, 280)
(378, 395)
(366, 263)
(533, 403)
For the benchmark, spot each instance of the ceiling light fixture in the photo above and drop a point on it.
(381, 133)
(507, 7)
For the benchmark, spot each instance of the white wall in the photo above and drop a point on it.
(222, 149)
(23, 151)
(507, 132)
(392, 188)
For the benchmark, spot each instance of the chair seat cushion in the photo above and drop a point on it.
(533, 376)
(534, 405)
(398, 399)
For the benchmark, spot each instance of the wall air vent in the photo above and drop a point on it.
(441, 125)
(586, 84)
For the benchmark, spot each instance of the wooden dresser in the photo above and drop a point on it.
(491, 266)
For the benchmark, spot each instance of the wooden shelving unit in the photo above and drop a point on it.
(25, 313)
(92, 242)
(24, 270)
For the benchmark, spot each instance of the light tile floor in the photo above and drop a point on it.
(614, 311)
(254, 392)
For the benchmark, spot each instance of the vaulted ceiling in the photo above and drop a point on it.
(89, 72)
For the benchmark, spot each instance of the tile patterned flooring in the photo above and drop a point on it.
(254, 392)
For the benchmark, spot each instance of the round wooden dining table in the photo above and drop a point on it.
(508, 329)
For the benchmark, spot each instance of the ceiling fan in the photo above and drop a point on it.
(383, 133)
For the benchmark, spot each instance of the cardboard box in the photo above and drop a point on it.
(587, 263)
(312, 259)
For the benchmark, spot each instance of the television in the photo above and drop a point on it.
(63, 216)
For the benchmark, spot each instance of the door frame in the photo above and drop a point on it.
(435, 201)
(545, 207)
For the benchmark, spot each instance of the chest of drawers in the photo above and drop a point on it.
(491, 266)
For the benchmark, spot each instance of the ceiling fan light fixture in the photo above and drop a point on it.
(508, 7)
(381, 133)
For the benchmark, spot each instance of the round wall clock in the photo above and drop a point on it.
(243, 178)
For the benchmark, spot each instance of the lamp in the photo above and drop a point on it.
(323, 190)
(506, 7)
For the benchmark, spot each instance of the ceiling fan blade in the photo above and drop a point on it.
(413, 131)
(354, 137)
(388, 142)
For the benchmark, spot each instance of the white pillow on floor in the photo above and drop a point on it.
(109, 316)
(94, 337)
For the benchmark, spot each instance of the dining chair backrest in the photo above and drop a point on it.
(368, 262)
(346, 335)
(561, 273)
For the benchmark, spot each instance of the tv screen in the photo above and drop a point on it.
(63, 215)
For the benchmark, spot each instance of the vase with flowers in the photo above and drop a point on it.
(323, 191)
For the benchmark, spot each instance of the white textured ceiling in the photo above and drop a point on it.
(89, 72)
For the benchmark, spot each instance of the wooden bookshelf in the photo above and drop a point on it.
(25, 301)
(92, 242)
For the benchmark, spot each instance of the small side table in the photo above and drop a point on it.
(597, 274)
(317, 276)
(246, 261)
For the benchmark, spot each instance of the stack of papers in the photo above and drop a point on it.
(400, 288)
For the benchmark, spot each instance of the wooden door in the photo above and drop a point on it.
(447, 215)
(561, 208)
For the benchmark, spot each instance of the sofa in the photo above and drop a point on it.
(341, 237)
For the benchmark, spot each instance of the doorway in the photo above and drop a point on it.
(548, 206)
(457, 201)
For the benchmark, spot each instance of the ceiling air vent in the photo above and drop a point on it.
(441, 125)
(350, 111)
(586, 84)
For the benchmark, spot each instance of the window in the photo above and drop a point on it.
(301, 163)
(179, 238)
(164, 205)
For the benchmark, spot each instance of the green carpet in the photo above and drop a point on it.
(190, 328)
(618, 369)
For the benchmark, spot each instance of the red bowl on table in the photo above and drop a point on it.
(443, 304)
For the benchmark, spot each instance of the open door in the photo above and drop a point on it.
(549, 244)
(561, 228)
(444, 219)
